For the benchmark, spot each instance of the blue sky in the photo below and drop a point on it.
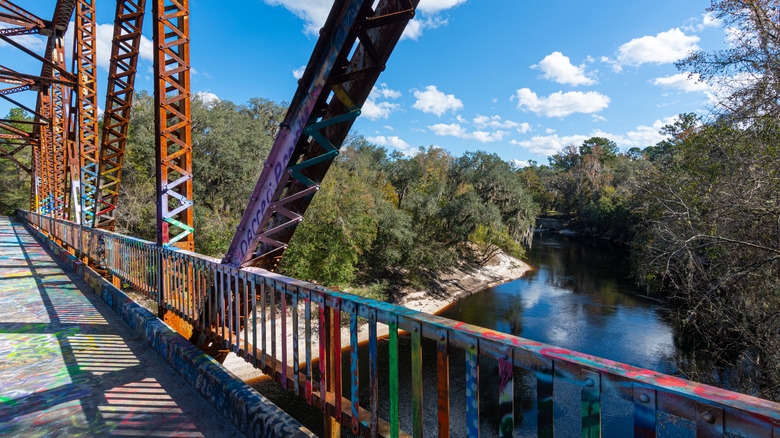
(518, 78)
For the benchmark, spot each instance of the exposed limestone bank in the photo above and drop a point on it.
(451, 287)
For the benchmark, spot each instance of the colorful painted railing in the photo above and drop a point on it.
(274, 323)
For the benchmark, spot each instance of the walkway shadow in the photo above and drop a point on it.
(70, 367)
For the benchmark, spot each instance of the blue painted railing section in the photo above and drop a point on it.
(281, 325)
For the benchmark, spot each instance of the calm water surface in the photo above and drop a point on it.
(578, 297)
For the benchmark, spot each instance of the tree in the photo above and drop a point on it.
(749, 71)
(15, 181)
(711, 242)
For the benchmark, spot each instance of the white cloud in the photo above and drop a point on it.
(456, 130)
(298, 72)
(549, 131)
(549, 144)
(494, 122)
(104, 34)
(375, 109)
(315, 12)
(561, 104)
(664, 48)
(524, 128)
(598, 118)
(683, 82)
(433, 6)
(208, 98)
(434, 101)
(414, 29)
(557, 67)
(709, 19)
(392, 141)
(519, 164)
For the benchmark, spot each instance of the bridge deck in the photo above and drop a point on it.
(69, 366)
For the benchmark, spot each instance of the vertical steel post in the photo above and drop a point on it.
(174, 123)
(125, 45)
(86, 117)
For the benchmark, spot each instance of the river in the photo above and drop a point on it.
(579, 297)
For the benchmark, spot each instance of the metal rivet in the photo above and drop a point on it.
(589, 382)
(708, 417)
(442, 337)
(644, 398)
(416, 329)
(472, 346)
(544, 369)
(505, 357)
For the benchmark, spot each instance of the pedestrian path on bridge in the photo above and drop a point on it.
(69, 366)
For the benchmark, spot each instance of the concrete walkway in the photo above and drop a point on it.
(69, 366)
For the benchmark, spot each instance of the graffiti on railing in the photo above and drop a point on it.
(273, 322)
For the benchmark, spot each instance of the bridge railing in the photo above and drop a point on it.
(282, 325)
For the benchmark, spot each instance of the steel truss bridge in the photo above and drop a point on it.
(238, 304)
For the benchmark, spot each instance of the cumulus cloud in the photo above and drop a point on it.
(377, 105)
(457, 130)
(558, 67)
(315, 12)
(561, 104)
(549, 144)
(104, 34)
(392, 141)
(664, 48)
(683, 82)
(33, 42)
(433, 101)
(494, 122)
(519, 164)
(208, 98)
(298, 72)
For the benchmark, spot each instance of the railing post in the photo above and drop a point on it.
(332, 427)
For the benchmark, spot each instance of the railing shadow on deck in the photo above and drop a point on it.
(68, 370)
(276, 323)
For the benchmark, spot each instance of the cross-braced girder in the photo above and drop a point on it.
(352, 51)
(174, 123)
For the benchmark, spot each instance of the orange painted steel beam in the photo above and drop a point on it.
(174, 123)
(128, 22)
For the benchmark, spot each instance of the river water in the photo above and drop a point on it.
(578, 296)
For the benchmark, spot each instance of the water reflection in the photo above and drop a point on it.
(579, 297)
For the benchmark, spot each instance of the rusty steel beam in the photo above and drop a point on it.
(44, 157)
(86, 113)
(333, 89)
(59, 132)
(128, 22)
(11, 156)
(19, 14)
(174, 123)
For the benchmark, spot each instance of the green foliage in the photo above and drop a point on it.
(711, 242)
(15, 182)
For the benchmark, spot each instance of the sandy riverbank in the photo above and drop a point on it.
(451, 287)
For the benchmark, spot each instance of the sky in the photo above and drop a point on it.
(518, 78)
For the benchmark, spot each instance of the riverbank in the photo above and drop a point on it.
(453, 285)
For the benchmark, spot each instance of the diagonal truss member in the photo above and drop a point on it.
(174, 123)
(128, 22)
(351, 52)
(85, 116)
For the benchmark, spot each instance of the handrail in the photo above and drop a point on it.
(254, 310)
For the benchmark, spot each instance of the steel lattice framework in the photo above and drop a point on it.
(119, 99)
(174, 123)
(332, 90)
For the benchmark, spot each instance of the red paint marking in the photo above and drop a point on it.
(557, 352)
(634, 371)
(493, 335)
(671, 381)
(516, 341)
(714, 394)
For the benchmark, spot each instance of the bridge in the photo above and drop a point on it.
(291, 330)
